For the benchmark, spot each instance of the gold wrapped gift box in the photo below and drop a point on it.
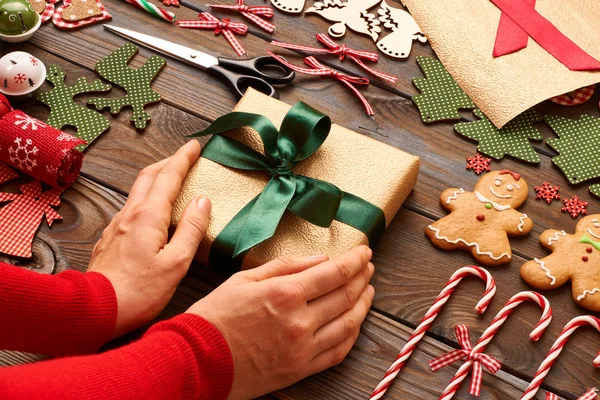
(355, 163)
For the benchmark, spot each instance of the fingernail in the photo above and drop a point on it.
(370, 252)
(204, 204)
(316, 257)
(371, 290)
(371, 268)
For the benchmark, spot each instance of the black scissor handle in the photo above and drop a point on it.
(238, 83)
(264, 67)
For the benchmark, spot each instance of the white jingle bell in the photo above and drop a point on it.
(21, 74)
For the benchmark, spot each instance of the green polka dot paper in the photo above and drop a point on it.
(513, 139)
(64, 111)
(578, 145)
(440, 97)
(136, 82)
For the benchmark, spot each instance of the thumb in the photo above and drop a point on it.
(191, 229)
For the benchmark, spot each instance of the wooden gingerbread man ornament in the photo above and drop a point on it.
(575, 257)
(481, 221)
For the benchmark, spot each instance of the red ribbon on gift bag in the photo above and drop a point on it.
(225, 26)
(341, 51)
(520, 20)
(321, 70)
(253, 13)
(39, 150)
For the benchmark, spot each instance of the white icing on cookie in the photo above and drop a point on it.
(592, 233)
(500, 196)
(484, 199)
(473, 244)
(587, 293)
(454, 195)
(522, 222)
(556, 237)
(546, 270)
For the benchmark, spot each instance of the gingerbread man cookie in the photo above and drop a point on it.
(482, 220)
(574, 257)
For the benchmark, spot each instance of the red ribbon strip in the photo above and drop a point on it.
(319, 69)
(520, 20)
(342, 51)
(466, 353)
(254, 14)
(225, 26)
(591, 394)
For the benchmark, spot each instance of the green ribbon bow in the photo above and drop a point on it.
(587, 240)
(303, 131)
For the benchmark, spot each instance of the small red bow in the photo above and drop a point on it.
(342, 51)
(467, 354)
(225, 26)
(319, 69)
(254, 14)
(591, 394)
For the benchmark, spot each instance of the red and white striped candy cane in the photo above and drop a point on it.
(494, 327)
(415, 338)
(591, 394)
(555, 351)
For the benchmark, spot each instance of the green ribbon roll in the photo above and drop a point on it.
(302, 132)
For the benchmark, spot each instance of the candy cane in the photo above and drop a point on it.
(555, 351)
(415, 338)
(494, 327)
(591, 394)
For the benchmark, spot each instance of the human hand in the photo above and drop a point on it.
(290, 318)
(135, 253)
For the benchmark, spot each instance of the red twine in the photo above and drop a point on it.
(319, 69)
(342, 51)
(466, 353)
(225, 26)
(520, 20)
(254, 14)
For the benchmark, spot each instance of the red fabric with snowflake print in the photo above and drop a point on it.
(39, 150)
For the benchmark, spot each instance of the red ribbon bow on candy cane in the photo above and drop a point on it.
(320, 69)
(342, 51)
(591, 394)
(466, 353)
(520, 20)
(253, 13)
(225, 26)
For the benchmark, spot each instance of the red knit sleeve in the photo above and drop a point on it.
(182, 358)
(64, 314)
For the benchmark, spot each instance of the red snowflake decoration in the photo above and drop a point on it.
(171, 3)
(20, 78)
(478, 163)
(547, 192)
(575, 206)
(33, 61)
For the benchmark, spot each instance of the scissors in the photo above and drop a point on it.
(259, 73)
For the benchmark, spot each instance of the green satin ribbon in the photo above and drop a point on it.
(587, 240)
(302, 132)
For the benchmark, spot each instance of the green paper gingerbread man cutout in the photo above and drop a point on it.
(513, 139)
(136, 83)
(440, 97)
(578, 143)
(65, 111)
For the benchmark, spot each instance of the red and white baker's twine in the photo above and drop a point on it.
(555, 351)
(415, 338)
(225, 26)
(253, 13)
(342, 51)
(319, 69)
(488, 334)
(591, 394)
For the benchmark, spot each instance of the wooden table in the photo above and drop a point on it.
(410, 272)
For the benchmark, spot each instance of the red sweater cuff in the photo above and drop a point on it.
(206, 357)
(64, 314)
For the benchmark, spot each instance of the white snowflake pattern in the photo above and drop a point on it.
(23, 156)
(66, 137)
(20, 78)
(25, 121)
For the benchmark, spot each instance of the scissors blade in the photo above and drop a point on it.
(177, 51)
